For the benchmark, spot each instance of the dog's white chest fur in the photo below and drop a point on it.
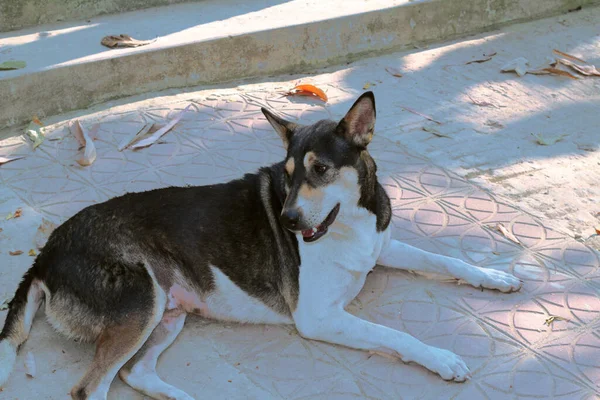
(333, 270)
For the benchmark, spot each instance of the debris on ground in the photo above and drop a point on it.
(83, 137)
(486, 57)
(31, 253)
(4, 160)
(307, 90)
(43, 233)
(123, 40)
(420, 114)
(394, 72)
(129, 140)
(435, 132)
(547, 141)
(15, 253)
(570, 61)
(18, 212)
(29, 365)
(519, 65)
(11, 65)
(553, 318)
(35, 132)
(368, 85)
(552, 71)
(4, 305)
(483, 103)
(160, 132)
(506, 233)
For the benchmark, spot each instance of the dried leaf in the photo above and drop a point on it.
(123, 40)
(4, 160)
(43, 233)
(82, 136)
(159, 133)
(421, 114)
(435, 132)
(506, 233)
(367, 85)
(18, 212)
(570, 57)
(35, 132)
(597, 229)
(394, 72)
(15, 253)
(547, 141)
(29, 365)
(486, 58)
(553, 318)
(307, 90)
(552, 71)
(4, 305)
(10, 65)
(136, 136)
(518, 65)
(587, 70)
(31, 253)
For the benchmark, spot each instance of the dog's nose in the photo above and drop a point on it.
(290, 218)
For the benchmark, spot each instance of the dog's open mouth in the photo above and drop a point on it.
(312, 234)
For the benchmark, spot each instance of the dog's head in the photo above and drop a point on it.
(327, 168)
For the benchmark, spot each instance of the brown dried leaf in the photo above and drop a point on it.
(394, 72)
(486, 58)
(4, 160)
(307, 90)
(15, 253)
(18, 212)
(552, 71)
(506, 233)
(587, 70)
(421, 114)
(570, 57)
(553, 318)
(435, 132)
(123, 40)
(43, 233)
(82, 136)
(597, 229)
(157, 135)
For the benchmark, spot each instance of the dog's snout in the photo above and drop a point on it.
(290, 218)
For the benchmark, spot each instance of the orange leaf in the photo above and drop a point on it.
(597, 228)
(307, 90)
(15, 253)
(36, 120)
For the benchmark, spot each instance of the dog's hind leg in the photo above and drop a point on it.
(403, 256)
(115, 346)
(140, 371)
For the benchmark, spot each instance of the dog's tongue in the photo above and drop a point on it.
(308, 233)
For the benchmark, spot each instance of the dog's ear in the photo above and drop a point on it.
(358, 124)
(284, 129)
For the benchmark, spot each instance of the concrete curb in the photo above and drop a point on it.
(292, 49)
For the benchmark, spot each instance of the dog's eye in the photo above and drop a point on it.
(320, 169)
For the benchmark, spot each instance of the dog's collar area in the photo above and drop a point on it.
(313, 234)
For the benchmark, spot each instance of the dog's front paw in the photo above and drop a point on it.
(446, 364)
(493, 279)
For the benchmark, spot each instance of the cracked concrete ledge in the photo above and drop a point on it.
(283, 38)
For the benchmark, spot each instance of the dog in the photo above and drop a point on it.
(290, 244)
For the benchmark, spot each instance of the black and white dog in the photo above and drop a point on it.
(290, 244)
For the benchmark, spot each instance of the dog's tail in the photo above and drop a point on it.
(21, 311)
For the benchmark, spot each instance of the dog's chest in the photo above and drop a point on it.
(337, 266)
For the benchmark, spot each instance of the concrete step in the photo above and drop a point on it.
(215, 41)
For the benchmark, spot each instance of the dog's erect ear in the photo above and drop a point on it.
(284, 129)
(358, 124)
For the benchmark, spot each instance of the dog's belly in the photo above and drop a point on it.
(226, 302)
